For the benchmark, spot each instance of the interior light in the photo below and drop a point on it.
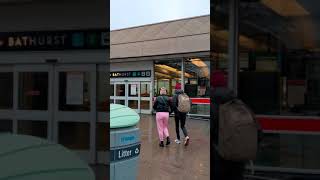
(286, 7)
(198, 62)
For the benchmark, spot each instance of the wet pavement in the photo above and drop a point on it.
(175, 162)
(101, 171)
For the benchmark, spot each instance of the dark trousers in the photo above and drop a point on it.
(226, 170)
(180, 118)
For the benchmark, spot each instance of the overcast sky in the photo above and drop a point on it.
(130, 13)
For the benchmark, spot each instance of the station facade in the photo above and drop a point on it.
(53, 73)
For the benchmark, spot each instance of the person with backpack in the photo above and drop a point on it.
(181, 106)
(235, 132)
(163, 108)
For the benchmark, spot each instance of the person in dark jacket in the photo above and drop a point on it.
(222, 169)
(163, 108)
(179, 117)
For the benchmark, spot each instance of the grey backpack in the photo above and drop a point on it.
(238, 132)
(184, 104)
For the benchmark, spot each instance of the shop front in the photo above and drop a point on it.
(136, 88)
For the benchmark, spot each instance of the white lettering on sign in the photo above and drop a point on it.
(25, 41)
(124, 154)
(137, 151)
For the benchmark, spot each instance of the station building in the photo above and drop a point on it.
(167, 54)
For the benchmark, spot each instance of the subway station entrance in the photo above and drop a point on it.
(55, 102)
(134, 94)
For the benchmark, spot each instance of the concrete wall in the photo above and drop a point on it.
(54, 15)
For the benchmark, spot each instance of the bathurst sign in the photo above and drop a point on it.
(54, 40)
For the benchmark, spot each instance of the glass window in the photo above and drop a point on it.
(75, 135)
(145, 90)
(112, 89)
(6, 126)
(33, 128)
(6, 90)
(33, 90)
(197, 77)
(74, 91)
(120, 90)
(133, 104)
(168, 75)
(103, 92)
(280, 74)
(145, 104)
(133, 90)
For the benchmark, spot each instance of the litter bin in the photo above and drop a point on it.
(124, 143)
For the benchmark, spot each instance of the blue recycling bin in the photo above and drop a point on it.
(124, 143)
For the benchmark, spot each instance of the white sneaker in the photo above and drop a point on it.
(186, 143)
(177, 141)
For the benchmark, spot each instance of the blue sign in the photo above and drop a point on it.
(125, 153)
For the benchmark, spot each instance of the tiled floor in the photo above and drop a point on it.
(175, 162)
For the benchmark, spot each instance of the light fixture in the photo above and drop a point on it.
(174, 70)
(286, 8)
(163, 75)
(198, 63)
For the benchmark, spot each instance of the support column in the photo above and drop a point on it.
(182, 73)
(233, 46)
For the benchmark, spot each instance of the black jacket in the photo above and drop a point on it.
(162, 104)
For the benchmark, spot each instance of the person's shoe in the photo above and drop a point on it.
(161, 144)
(177, 141)
(186, 142)
(168, 141)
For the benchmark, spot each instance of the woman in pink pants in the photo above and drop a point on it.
(163, 108)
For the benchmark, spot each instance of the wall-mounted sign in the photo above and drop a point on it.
(54, 40)
(130, 74)
(125, 153)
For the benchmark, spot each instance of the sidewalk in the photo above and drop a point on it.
(175, 162)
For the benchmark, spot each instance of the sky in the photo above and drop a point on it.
(130, 13)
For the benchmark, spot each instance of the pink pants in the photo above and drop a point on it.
(162, 124)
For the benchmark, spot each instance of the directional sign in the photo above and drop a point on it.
(125, 153)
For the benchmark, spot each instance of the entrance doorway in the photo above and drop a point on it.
(134, 94)
(57, 102)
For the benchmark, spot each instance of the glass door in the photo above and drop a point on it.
(133, 95)
(32, 100)
(6, 99)
(145, 98)
(75, 109)
(119, 93)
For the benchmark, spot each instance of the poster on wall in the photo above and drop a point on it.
(133, 90)
(74, 88)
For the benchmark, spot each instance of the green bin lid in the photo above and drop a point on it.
(122, 116)
(30, 158)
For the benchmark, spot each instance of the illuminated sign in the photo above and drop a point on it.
(54, 40)
(132, 74)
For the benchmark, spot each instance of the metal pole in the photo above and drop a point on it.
(233, 48)
(182, 73)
